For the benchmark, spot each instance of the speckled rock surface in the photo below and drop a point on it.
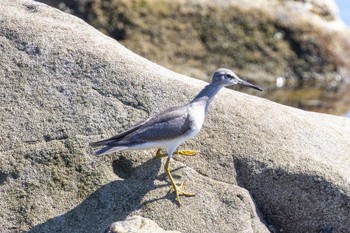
(137, 224)
(262, 166)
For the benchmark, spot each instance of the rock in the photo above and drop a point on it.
(302, 39)
(64, 84)
(137, 224)
(262, 166)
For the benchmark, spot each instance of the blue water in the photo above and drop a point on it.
(348, 114)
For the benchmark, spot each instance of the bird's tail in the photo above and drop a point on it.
(103, 142)
(108, 149)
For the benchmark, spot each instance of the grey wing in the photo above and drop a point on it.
(166, 125)
(120, 135)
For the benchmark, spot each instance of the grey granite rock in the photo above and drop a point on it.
(137, 224)
(63, 84)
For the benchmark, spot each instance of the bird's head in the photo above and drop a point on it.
(226, 77)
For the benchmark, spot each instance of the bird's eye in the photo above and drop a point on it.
(229, 76)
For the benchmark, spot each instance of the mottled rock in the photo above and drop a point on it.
(63, 84)
(137, 224)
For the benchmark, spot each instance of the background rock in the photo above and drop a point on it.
(195, 34)
(63, 84)
(298, 49)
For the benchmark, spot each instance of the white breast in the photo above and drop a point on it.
(197, 115)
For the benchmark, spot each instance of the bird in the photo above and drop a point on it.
(168, 129)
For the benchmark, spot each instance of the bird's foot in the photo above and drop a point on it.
(187, 152)
(179, 192)
(160, 153)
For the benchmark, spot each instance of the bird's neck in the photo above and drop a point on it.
(207, 94)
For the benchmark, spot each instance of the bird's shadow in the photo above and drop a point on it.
(111, 202)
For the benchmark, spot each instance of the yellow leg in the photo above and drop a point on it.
(174, 187)
(159, 153)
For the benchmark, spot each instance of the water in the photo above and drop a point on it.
(314, 98)
(348, 114)
(326, 96)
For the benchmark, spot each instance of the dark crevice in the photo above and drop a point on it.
(240, 182)
(137, 105)
(58, 135)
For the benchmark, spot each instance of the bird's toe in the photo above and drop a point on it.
(187, 152)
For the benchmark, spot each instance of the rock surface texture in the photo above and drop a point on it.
(299, 49)
(262, 167)
(137, 224)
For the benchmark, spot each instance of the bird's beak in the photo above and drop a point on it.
(245, 83)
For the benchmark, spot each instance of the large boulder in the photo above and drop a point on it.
(302, 39)
(287, 45)
(63, 84)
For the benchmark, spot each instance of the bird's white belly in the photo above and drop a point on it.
(170, 144)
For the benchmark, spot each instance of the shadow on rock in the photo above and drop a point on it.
(111, 202)
(294, 202)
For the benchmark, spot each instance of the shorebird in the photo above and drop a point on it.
(168, 129)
